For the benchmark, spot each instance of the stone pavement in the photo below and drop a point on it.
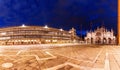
(79, 57)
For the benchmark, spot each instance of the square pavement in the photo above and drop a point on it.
(78, 57)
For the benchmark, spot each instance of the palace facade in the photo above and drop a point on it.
(100, 36)
(36, 35)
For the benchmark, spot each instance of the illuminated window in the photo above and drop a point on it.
(4, 33)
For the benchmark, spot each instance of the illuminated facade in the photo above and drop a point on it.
(36, 35)
(101, 36)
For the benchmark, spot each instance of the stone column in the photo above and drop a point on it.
(118, 22)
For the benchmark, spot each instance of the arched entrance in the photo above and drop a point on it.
(109, 40)
(91, 40)
(88, 40)
(104, 41)
(98, 40)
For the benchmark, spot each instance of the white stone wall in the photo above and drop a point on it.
(100, 36)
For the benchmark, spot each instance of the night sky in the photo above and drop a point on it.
(60, 13)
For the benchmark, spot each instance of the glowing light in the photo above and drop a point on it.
(61, 29)
(70, 32)
(4, 33)
(54, 40)
(46, 26)
(25, 41)
(4, 38)
(23, 25)
(47, 40)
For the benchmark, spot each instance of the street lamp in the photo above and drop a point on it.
(61, 29)
(23, 25)
(46, 26)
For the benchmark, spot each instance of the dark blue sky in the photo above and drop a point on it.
(59, 13)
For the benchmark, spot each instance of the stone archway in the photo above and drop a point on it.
(98, 40)
(88, 40)
(91, 40)
(109, 40)
(104, 41)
